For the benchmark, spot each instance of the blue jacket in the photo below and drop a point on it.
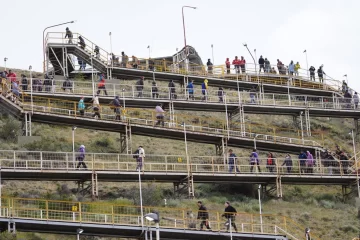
(82, 152)
(190, 88)
(232, 158)
(291, 67)
(81, 105)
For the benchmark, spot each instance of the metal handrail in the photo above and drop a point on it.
(168, 164)
(113, 214)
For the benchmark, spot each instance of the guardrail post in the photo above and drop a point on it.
(41, 161)
(112, 214)
(166, 164)
(14, 159)
(47, 210)
(80, 217)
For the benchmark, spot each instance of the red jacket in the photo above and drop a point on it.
(236, 62)
(227, 63)
(101, 83)
(12, 77)
(242, 62)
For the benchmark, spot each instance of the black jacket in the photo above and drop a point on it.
(203, 213)
(230, 211)
(261, 61)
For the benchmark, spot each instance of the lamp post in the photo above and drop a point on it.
(302, 127)
(255, 140)
(78, 232)
(261, 220)
(245, 45)
(141, 202)
(31, 90)
(73, 143)
(44, 37)
(92, 76)
(307, 65)
(5, 59)
(154, 217)
(255, 57)
(112, 54)
(212, 52)
(148, 47)
(183, 19)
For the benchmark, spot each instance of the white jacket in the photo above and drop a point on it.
(141, 152)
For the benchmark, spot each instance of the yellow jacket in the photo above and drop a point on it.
(297, 66)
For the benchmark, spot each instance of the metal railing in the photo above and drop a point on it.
(201, 70)
(125, 91)
(167, 164)
(171, 218)
(179, 122)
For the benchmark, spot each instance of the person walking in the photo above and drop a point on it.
(296, 68)
(270, 162)
(124, 60)
(203, 216)
(232, 161)
(69, 35)
(227, 65)
(312, 73)
(81, 106)
(261, 64)
(172, 90)
(96, 107)
(221, 94)
(309, 162)
(254, 160)
(190, 89)
(101, 85)
(140, 158)
(291, 68)
(236, 62)
(140, 87)
(288, 163)
(204, 89)
(81, 157)
(253, 95)
(242, 65)
(82, 43)
(267, 65)
(24, 82)
(302, 161)
(154, 90)
(356, 100)
(209, 65)
(97, 52)
(230, 213)
(160, 114)
(321, 74)
(117, 108)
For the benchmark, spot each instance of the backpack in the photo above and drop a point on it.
(136, 154)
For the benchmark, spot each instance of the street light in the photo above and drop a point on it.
(31, 90)
(44, 36)
(78, 232)
(73, 143)
(255, 56)
(5, 59)
(186, 59)
(255, 140)
(261, 220)
(307, 65)
(148, 47)
(154, 217)
(245, 45)
(212, 51)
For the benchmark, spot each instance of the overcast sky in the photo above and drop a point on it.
(328, 29)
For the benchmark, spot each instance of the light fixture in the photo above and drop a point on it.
(153, 217)
(79, 231)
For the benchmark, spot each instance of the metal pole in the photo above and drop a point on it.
(44, 38)
(230, 228)
(245, 45)
(141, 202)
(92, 76)
(112, 54)
(255, 58)
(73, 144)
(31, 90)
(0, 193)
(149, 51)
(212, 51)
(157, 231)
(302, 128)
(356, 162)
(78, 236)
(261, 220)
(227, 118)
(255, 142)
(5, 59)
(186, 59)
(307, 64)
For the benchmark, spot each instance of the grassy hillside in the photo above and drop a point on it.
(319, 207)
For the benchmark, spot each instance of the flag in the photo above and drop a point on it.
(305, 51)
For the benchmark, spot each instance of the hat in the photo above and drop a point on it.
(82, 146)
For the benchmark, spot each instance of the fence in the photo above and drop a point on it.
(166, 164)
